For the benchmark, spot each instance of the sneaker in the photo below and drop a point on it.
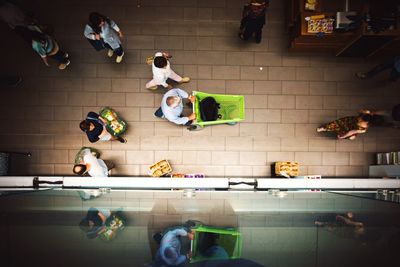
(153, 87)
(185, 80)
(321, 129)
(159, 113)
(66, 55)
(122, 140)
(110, 53)
(119, 58)
(361, 75)
(64, 65)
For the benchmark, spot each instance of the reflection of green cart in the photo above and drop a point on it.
(231, 109)
(228, 240)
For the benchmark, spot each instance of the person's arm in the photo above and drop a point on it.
(89, 34)
(114, 26)
(181, 93)
(350, 133)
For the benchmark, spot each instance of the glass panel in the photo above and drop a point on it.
(272, 228)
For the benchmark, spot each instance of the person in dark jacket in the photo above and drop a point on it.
(253, 19)
(95, 129)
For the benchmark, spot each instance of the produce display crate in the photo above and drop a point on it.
(115, 125)
(161, 168)
(290, 168)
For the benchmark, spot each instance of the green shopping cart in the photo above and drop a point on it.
(231, 109)
(214, 239)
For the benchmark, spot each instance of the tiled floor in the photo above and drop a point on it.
(285, 100)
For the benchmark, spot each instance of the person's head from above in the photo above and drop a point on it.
(173, 101)
(86, 126)
(96, 19)
(160, 62)
(372, 119)
(170, 254)
(79, 169)
(87, 224)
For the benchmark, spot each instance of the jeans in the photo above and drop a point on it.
(60, 56)
(119, 51)
(394, 74)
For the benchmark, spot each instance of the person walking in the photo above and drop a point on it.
(47, 47)
(162, 72)
(349, 127)
(253, 20)
(95, 129)
(102, 32)
(92, 165)
(393, 64)
(94, 223)
(172, 107)
(170, 247)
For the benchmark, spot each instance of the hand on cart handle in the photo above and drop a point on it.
(192, 98)
(192, 116)
(190, 235)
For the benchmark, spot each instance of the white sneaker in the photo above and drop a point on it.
(110, 53)
(119, 58)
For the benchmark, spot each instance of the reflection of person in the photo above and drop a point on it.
(169, 252)
(344, 225)
(393, 64)
(92, 165)
(253, 19)
(172, 107)
(103, 32)
(95, 129)
(162, 72)
(350, 127)
(94, 223)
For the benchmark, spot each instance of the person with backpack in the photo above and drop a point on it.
(47, 47)
(102, 32)
(172, 107)
(162, 72)
(95, 128)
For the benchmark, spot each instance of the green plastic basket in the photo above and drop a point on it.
(231, 108)
(228, 238)
(105, 114)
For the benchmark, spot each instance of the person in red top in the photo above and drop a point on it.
(253, 19)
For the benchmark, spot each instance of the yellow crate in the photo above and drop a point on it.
(289, 167)
(160, 168)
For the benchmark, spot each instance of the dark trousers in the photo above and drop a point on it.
(119, 51)
(60, 56)
(394, 74)
(250, 27)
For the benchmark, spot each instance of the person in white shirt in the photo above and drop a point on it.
(103, 32)
(93, 166)
(172, 107)
(162, 72)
